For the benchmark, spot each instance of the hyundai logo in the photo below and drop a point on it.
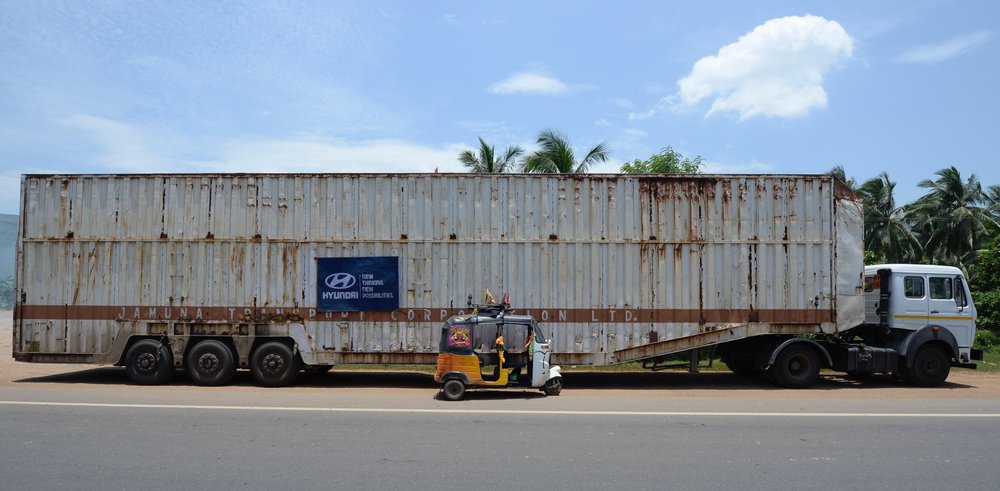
(340, 281)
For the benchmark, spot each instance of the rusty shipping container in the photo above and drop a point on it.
(617, 267)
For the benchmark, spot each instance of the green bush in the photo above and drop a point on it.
(987, 310)
(987, 340)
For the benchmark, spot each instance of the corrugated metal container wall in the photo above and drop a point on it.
(604, 262)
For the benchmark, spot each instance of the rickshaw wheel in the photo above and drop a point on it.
(553, 387)
(453, 390)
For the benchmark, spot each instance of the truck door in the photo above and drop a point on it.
(950, 309)
(911, 311)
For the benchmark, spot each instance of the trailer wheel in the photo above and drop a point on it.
(149, 362)
(274, 365)
(931, 367)
(796, 367)
(743, 367)
(211, 363)
(553, 386)
(453, 389)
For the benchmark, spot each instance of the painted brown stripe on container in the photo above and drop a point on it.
(549, 315)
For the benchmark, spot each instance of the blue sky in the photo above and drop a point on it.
(906, 87)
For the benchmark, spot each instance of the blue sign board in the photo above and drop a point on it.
(348, 284)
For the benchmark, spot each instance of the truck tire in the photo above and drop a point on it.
(274, 365)
(931, 367)
(149, 362)
(453, 389)
(553, 386)
(796, 367)
(211, 363)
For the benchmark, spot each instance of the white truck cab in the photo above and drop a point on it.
(908, 298)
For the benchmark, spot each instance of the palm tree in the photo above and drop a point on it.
(556, 156)
(839, 172)
(486, 161)
(993, 203)
(887, 235)
(950, 219)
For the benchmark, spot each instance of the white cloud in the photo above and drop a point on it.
(934, 53)
(535, 82)
(775, 70)
(316, 154)
(122, 147)
(639, 116)
(665, 103)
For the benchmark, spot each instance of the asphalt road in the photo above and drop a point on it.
(89, 429)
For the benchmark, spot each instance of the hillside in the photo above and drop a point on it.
(8, 240)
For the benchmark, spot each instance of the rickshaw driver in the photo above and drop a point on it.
(501, 359)
(529, 351)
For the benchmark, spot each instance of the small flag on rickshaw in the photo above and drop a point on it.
(506, 300)
(489, 297)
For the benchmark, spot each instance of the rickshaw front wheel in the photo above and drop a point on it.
(553, 386)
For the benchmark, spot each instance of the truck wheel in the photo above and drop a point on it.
(931, 367)
(274, 365)
(211, 362)
(796, 367)
(453, 390)
(149, 362)
(553, 386)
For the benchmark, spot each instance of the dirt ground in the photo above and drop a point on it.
(11, 370)
(962, 382)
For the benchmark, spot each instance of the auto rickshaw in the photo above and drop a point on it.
(494, 349)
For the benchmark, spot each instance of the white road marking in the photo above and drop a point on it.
(500, 411)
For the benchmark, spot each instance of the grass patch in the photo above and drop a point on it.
(990, 363)
(384, 368)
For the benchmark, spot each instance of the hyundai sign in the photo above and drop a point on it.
(348, 284)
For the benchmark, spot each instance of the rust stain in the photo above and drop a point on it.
(842, 190)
